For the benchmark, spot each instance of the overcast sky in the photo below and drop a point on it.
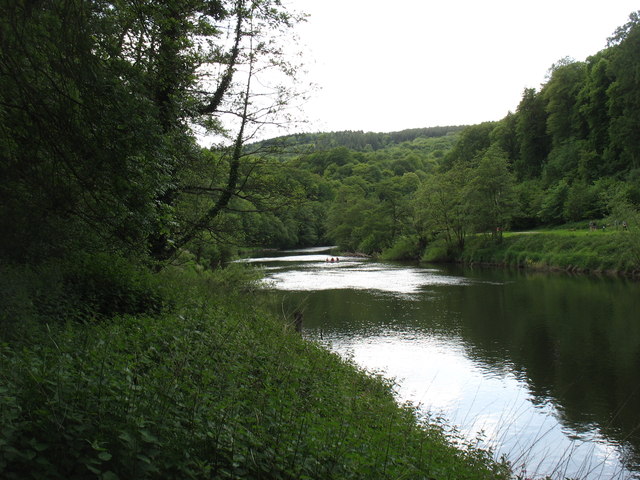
(390, 65)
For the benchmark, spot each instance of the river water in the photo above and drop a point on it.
(545, 368)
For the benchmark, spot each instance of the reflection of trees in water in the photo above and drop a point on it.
(575, 341)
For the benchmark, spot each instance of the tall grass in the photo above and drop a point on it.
(572, 251)
(212, 388)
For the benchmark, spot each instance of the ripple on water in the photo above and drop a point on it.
(350, 273)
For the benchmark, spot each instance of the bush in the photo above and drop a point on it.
(185, 283)
(597, 251)
(405, 248)
(107, 285)
(79, 289)
(213, 391)
(437, 251)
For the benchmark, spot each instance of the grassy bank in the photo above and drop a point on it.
(208, 386)
(579, 251)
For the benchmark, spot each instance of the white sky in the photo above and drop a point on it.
(390, 65)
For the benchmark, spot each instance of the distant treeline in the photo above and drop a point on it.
(570, 152)
(358, 140)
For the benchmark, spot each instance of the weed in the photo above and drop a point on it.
(214, 388)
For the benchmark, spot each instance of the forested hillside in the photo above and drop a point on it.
(569, 153)
(326, 165)
(359, 141)
(99, 155)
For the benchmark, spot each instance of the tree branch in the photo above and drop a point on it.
(225, 82)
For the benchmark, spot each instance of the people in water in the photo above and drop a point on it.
(332, 260)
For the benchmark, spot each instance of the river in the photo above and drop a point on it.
(544, 368)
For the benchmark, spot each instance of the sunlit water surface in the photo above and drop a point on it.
(492, 353)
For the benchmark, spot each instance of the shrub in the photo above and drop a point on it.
(107, 285)
(79, 289)
(599, 251)
(437, 251)
(405, 248)
(216, 391)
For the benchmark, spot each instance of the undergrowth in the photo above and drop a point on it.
(617, 252)
(210, 387)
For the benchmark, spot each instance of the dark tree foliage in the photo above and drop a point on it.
(564, 119)
(80, 144)
(97, 103)
(594, 103)
(624, 97)
(473, 142)
(531, 129)
(506, 137)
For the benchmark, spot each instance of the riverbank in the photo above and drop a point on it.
(611, 253)
(601, 253)
(208, 386)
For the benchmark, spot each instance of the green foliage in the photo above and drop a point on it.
(360, 141)
(624, 98)
(98, 104)
(552, 208)
(529, 196)
(107, 285)
(74, 128)
(609, 250)
(561, 99)
(441, 207)
(92, 287)
(404, 248)
(531, 132)
(438, 251)
(593, 106)
(491, 192)
(582, 203)
(216, 390)
(473, 142)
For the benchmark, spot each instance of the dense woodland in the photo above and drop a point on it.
(99, 101)
(569, 153)
(98, 105)
(125, 352)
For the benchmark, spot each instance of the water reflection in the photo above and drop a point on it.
(315, 273)
(545, 366)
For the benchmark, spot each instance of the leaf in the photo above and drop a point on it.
(127, 438)
(104, 456)
(149, 437)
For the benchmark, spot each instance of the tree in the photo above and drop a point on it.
(473, 142)
(395, 195)
(97, 105)
(440, 206)
(553, 203)
(345, 221)
(504, 135)
(581, 202)
(561, 97)
(593, 103)
(76, 125)
(529, 203)
(624, 97)
(491, 194)
(531, 128)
